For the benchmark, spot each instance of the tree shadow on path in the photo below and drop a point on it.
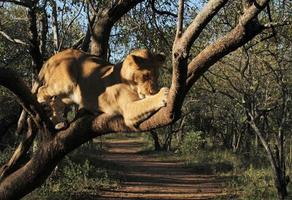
(149, 178)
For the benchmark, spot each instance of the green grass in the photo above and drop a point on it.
(79, 176)
(248, 175)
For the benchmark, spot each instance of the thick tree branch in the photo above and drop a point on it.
(246, 29)
(10, 80)
(43, 161)
(50, 152)
(200, 22)
(106, 18)
(180, 20)
(181, 48)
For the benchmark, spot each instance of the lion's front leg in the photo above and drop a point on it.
(136, 112)
(57, 116)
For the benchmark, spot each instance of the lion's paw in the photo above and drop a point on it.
(163, 94)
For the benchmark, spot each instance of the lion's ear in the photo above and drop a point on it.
(160, 57)
(138, 61)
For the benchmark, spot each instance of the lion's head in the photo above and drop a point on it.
(140, 70)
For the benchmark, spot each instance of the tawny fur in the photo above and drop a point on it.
(128, 88)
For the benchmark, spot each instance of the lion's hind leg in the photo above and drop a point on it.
(43, 95)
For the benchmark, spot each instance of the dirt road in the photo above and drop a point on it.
(149, 178)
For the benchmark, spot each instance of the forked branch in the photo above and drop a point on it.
(185, 73)
(20, 151)
(11, 80)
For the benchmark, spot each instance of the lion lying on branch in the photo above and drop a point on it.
(128, 89)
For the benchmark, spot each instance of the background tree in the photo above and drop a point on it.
(188, 65)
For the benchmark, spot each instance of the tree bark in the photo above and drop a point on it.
(157, 146)
(279, 175)
(55, 26)
(34, 46)
(12, 81)
(84, 128)
(106, 18)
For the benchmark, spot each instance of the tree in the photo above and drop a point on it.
(257, 81)
(186, 70)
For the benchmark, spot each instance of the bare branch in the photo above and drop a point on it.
(14, 40)
(68, 26)
(180, 52)
(20, 3)
(21, 122)
(276, 24)
(20, 151)
(152, 2)
(246, 29)
(180, 19)
(200, 22)
(263, 141)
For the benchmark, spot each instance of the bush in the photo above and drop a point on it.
(192, 142)
(256, 184)
(76, 178)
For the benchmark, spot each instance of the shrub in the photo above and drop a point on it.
(75, 178)
(256, 184)
(192, 142)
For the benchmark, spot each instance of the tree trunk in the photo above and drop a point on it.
(55, 26)
(157, 146)
(106, 18)
(34, 46)
(279, 172)
(100, 37)
(51, 151)
(281, 185)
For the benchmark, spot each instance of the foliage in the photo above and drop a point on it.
(192, 142)
(255, 184)
(5, 155)
(77, 177)
(250, 79)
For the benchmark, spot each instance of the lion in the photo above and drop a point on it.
(128, 89)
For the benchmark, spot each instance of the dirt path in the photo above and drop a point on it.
(147, 178)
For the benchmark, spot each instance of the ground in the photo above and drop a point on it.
(147, 177)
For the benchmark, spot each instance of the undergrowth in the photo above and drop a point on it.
(248, 175)
(79, 176)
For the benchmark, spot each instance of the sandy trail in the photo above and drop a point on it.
(147, 178)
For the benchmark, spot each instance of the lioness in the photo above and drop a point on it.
(128, 88)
